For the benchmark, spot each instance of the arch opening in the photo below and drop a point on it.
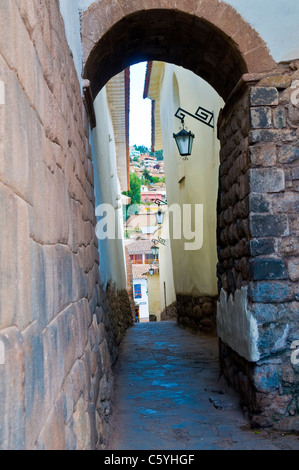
(170, 36)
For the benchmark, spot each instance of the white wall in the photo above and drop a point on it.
(194, 181)
(143, 302)
(107, 191)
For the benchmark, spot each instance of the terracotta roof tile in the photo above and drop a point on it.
(140, 246)
(139, 270)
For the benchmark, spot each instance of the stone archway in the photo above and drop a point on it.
(258, 268)
(210, 38)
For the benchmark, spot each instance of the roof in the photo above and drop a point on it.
(140, 271)
(140, 246)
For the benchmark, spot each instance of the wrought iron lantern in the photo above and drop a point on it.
(155, 250)
(184, 141)
(151, 271)
(159, 214)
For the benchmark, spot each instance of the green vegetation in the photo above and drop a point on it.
(159, 155)
(147, 178)
(142, 149)
(135, 189)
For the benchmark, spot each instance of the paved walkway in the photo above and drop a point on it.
(168, 396)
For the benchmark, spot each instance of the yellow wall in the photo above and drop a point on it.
(153, 284)
(194, 181)
(166, 267)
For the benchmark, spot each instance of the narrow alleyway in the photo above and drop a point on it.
(168, 396)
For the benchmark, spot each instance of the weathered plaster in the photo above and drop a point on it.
(236, 326)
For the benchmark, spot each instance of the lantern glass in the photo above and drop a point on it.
(160, 217)
(184, 141)
(155, 250)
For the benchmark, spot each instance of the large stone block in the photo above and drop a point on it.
(12, 394)
(272, 135)
(270, 291)
(279, 118)
(295, 173)
(268, 225)
(289, 246)
(15, 296)
(285, 203)
(288, 154)
(34, 383)
(82, 426)
(262, 246)
(268, 268)
(264, 155)
(265, 378)
(267, 180)
(16, 136)
(53, 366)
(49, 220)
(263, 96)
(61, 288)
(52, 436)
(261, 118)
(274, 340)
(293, 269)
(259, 203)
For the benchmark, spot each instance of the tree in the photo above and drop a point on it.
(159, 155)
(146, 176)
(141, 148)
(135, 189)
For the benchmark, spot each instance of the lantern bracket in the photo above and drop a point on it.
(160, 240)
(159, 202)
(202, 115)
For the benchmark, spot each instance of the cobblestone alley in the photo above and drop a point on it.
(168, 395)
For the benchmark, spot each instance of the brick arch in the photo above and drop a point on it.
(208, 37)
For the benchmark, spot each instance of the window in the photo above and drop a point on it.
(136, 259)
(149, 259)
(137, 291)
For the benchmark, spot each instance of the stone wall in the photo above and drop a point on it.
(169, 313)
(258, 241)
(197, 313)
(233, 202)
(58, 328)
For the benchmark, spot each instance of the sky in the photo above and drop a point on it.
(140, 109)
